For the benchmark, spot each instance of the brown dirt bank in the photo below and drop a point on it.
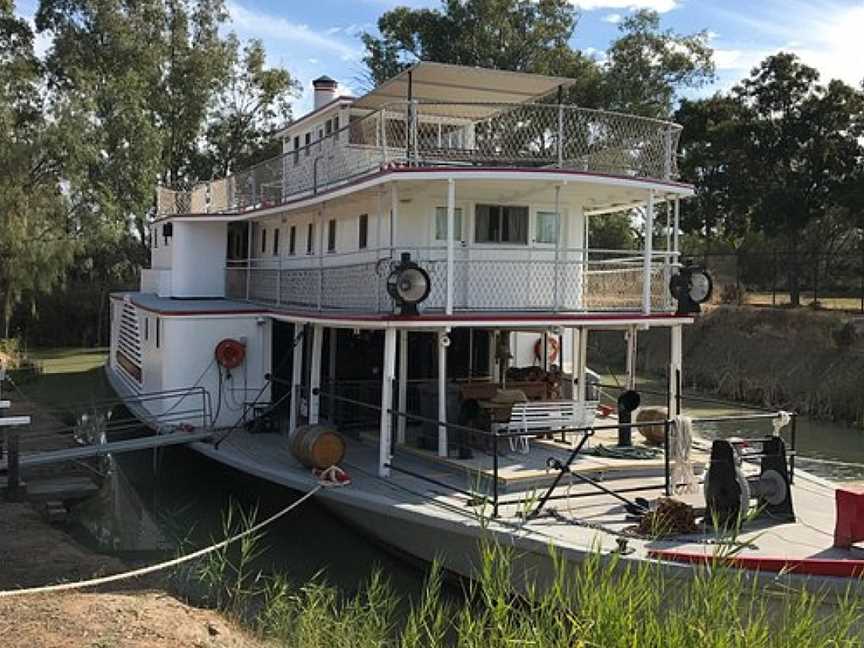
(33, 553)
(804, 360)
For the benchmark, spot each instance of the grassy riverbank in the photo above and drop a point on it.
(803, 360)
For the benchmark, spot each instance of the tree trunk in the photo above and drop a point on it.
(794, 273)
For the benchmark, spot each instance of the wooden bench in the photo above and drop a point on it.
(534, 417)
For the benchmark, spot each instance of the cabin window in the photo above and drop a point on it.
(310, 237)
(296, 149)
(328, 128)
(363, 232)
(276, 242)
(501, 224)
(146, 328)
(263, 241)
(331, 235)
(157, 332)
(441, 224)
(292, 240)
(547, 227)
(308, 143)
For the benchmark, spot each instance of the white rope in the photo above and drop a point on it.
(163, 565)
(681, 440)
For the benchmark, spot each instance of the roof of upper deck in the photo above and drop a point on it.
(444, 83)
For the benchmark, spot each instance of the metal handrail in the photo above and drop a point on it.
(585, 139)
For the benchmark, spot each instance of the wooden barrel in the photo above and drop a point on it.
(654, 434)
(317, 446)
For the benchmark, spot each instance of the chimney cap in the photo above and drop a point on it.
(323, 82)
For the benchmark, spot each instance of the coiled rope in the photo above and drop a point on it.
(93, 582)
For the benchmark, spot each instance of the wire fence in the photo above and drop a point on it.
(832, 281)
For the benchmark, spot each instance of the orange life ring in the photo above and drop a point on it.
(230, 353)
(553, 349)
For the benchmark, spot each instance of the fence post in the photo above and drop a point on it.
(774, 281)
(560, 135)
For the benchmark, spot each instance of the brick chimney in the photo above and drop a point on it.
(325, 91)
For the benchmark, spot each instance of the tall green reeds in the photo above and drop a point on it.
(604, 602)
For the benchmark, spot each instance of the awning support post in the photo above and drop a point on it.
(443, 342)
(387, 377)
(675, 364)
(646, 268)
(401, 421)
(296, 375)
(315, 377)
(451, 218)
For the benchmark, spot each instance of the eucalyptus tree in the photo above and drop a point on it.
(35, 248)
(802, 158)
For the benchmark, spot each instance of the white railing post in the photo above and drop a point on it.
(315, 374)
(451, 218)
(382, 136)
(249, 248)
(646, 267)
(560, 136)
(675, 229)
(667, 157)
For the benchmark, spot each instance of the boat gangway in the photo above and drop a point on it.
(184, 417)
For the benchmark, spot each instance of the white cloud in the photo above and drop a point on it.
(275, 28)
(660, 6)
(825, 35)
(613, 18)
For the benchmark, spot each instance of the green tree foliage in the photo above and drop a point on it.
(778, 157)
(251, 103)
(644, 67)
(35, 248)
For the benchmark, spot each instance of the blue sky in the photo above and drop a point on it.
(314, 37)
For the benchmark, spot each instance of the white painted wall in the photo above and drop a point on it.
(198, 259)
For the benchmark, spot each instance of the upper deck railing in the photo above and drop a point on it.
(444, 134)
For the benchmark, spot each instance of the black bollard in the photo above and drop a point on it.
(628, 401)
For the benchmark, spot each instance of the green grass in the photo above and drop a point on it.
(601, 603)
(65, 379)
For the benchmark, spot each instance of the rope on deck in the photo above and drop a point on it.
(93, 582)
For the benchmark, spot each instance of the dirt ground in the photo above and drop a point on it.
(33, 553)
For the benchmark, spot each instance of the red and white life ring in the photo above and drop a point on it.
(552, 349)
(230, 353)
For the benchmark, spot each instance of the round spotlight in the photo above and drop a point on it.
(691, 287)
(408, 285)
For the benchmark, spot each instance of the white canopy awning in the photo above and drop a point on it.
(442, 82)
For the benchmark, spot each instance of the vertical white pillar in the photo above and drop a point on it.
(331, 373)
(675, 366)
(442, 394)
(387, 376)
(296, 375)
(315, 371)
(394, 215)
(676, 222)
(582, 364)
(556, 287)
(646, 268)
(632, 337)
(249, 248)
(403, 385)
(574, 359)
(451, 210)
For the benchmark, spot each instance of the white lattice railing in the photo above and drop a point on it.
(443, 134)
(524, 280)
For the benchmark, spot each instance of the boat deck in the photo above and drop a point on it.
(587, 520)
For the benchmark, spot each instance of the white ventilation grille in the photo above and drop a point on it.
(129, 345)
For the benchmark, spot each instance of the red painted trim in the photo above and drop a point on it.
(431, 317)
(435, 169)
(802, 566)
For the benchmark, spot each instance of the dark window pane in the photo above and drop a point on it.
(331, 235)
(292, 240)
(363, 234)
(276, 241)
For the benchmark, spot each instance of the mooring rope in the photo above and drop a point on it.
(163, 565)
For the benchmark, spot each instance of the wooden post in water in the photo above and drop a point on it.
(13, 469)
